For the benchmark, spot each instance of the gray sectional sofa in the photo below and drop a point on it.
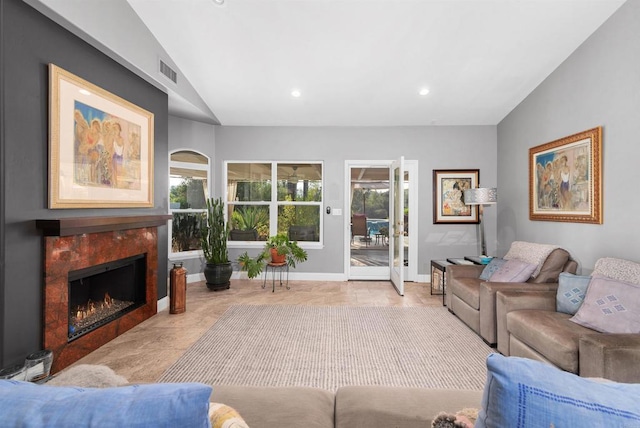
(529, 325)
(349, 407)
(473, 300)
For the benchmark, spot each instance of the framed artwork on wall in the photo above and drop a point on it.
(448, 189)
(100, 146)
(565, 179)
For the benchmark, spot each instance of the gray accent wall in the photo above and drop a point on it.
(30, 41)
(455, 147)
(598, 85)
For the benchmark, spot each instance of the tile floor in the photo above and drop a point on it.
(143, 353)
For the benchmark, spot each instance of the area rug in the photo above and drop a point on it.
(329, 347)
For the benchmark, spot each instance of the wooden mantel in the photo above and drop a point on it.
(80, 225)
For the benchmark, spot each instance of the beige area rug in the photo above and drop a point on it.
(329, 347)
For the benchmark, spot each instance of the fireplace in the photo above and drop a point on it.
(83, 258)
(102, 293)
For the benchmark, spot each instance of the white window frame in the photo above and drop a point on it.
(274, 204)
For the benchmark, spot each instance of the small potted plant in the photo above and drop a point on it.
(246, 222)
(213, 237)
(277, 249)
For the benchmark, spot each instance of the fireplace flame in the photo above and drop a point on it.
(91, 307)
(93, 312)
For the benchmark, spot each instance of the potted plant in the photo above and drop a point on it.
(246, 221)
(277, 249)
(213, 237)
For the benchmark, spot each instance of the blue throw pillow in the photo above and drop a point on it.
(523, 393)
(491, 268)
(571, 292)
(27, 405)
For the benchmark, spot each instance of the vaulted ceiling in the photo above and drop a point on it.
(357, 62)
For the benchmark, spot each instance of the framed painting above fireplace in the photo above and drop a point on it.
(100, 146)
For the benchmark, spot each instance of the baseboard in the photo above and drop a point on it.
(297, 276)
(163, 304)
(423, 278)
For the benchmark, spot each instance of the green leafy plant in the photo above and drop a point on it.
(215, 233)
(283, 245)
(249, 217)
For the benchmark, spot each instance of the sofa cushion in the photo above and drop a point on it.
(610, 306)
(398, 407)
(513, 271)
(495, 264)
(276, 407)
(571, 292)
(467, 290)
(524, 393)
(555, 263)
(554, 336)
(624, 270)
(26, 405)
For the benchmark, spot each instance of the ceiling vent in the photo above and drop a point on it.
(169, 72)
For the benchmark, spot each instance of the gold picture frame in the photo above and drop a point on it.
(565, 179)
(448, 191)
(100, 146)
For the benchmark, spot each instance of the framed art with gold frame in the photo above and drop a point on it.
(100, 146)
(565, 179)
(448, 189)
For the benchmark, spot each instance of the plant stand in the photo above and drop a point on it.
(281, 268)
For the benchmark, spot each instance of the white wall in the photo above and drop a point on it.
(463, 147)
(135, 48)
(598, 85)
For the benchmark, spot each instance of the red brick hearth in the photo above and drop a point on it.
(73, 244)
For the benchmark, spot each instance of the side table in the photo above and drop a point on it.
(476, 260)
(438, 277)
(439, 271)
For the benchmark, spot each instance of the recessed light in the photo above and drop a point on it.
(424, 91)
(296, 93)
(219, 2)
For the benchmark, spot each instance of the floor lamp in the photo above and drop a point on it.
(481, 196)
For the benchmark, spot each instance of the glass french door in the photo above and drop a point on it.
(368, 215)
(396, 223)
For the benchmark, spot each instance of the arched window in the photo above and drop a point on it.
(188, 192)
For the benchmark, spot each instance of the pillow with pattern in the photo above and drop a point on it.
(624, 270)
(223, 416)
(513, 271)
(521, 393)
(610, 306)
(571, 292)
(491, 268)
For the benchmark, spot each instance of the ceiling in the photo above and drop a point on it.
(363, 62)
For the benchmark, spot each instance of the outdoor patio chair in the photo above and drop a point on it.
(359, 228)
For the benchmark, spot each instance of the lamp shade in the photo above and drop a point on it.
(481, 196)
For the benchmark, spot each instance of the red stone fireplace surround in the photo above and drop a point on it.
(72, 244)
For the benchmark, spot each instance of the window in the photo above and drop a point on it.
(257, 209)
(188, 192)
